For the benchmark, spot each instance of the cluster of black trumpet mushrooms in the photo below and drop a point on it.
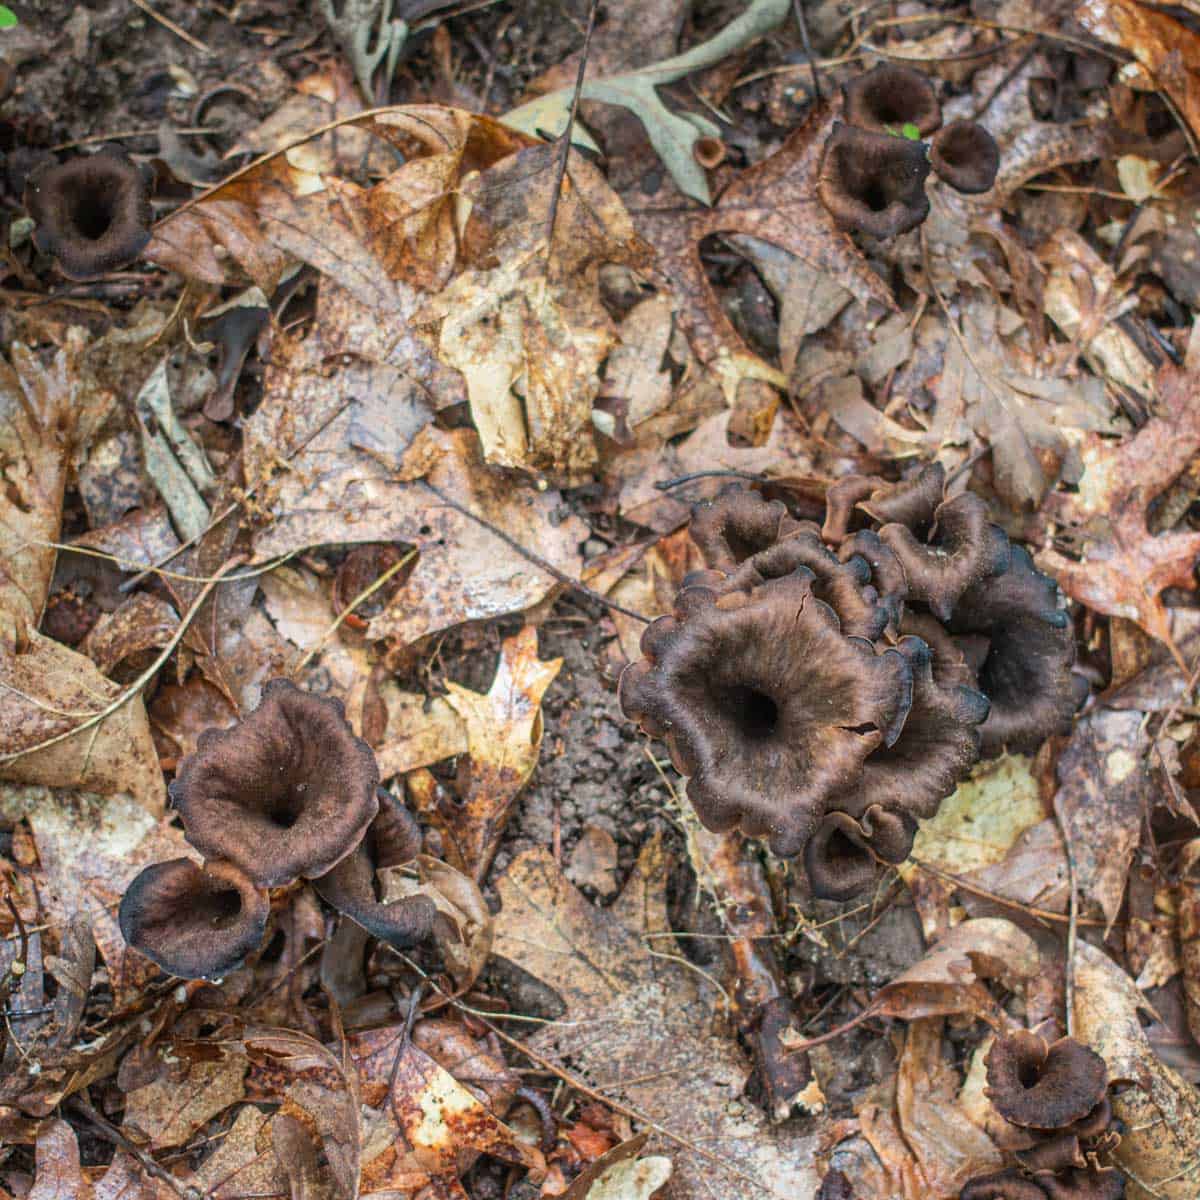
(288, 793)
(1058, 1093)
(876, 161)
(827, 686)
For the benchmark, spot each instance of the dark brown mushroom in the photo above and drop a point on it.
(888, 97)
(1025, 648)
(392, 839)
(93, 212)
(912, 501)
(842, 857)
(1044, 1086)
(1057, 1153)
(1002, 1185)
(966, 156)
(766, 704)
(1082, 1184)
(966, 547)
(286, 793)
(198, 923)
(873, 182)
(736, 525)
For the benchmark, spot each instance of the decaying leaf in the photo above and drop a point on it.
(504, 737)
(1118, 566)
(1160, 1112)
(627, 1007)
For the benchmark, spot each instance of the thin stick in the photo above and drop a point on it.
(1072, 927)
(575, 585)
(802, 22)
(142, 680)
(179, 32)
(565, 137)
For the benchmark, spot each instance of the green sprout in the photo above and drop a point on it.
(8, 18)
(910, 131)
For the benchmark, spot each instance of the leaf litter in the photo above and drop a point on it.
(472, 370)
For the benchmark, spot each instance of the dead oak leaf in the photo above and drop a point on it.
(523, 321)
(774, 200)
(504, 738)
(57, 1172)
(1120, 568)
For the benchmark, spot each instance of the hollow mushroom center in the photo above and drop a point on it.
(1029, 1073)
(219, 908)
(958, 147)
(755, 714)
(842, 852)
(92, 210)
(286, 804)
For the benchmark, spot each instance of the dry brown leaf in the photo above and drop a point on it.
(190, 1089)
(774, 200)
(143, 622)
(523, 322)
(1167, 49)
(1120, 567)
(948, 979)
(47, 690)
(1160, 1112)
(1106, 789)
(628, 1007)
(39, 415)
(431, 1125)
(504, 738)
(57, 1174)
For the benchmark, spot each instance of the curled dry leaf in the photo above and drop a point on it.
(619, 1174)
(463, 925)
(1160, 1112)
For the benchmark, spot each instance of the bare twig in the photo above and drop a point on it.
(566, 580)
(177, 30)
(564, 149)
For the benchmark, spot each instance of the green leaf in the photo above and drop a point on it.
(8, 18)
(910, 131)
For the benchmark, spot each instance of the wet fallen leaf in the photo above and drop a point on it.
(1160, 1143)
(627, 1008)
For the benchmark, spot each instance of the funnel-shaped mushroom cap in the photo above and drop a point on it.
(873, 182)
(966, 548)
(937, 747)
(736, 525)
(288, 792)
(766, 704)
(1056, 1153)
(842, 856)
(966, 156)
(393, 838)
(1040, 1086)
(1029, 647)
(888, 97)
(195, 923)
(93, 213)
(1002, 1185)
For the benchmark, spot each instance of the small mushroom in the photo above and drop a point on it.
(841, 857)
(765, 703)
(888, 97)
(286, 793)
(198, 923)
(1026, 647)
(392, 839)
(737, 524)
(966, 156)
(873, 182)
(93, 212)
(965, 548)
(1002, 1185)
(1044, 1086)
